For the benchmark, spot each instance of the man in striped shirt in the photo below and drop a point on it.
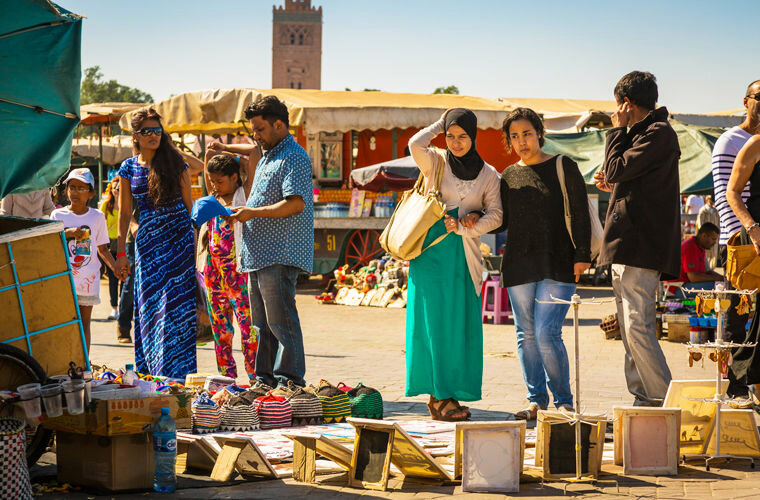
(724, 154)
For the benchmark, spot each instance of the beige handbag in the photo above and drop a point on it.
(597, 232)
(416, 212)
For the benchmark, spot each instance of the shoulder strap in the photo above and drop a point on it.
(566, 201)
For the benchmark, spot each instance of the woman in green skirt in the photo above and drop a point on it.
(444, 329)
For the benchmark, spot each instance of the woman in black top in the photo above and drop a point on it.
(541, 259)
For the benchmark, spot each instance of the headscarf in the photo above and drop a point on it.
(465, 167)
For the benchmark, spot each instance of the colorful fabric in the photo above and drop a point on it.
(307, 408)
(164, 272)
(227, 292)
(283, 171)
(274, 411)
(112, 220)
(444, 343)
(239, 418)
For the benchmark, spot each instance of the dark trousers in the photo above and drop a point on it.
(126, 301)
(113, 285)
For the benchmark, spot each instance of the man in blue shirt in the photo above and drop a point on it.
(278, 242)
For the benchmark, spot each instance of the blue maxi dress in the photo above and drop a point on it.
(164, 272)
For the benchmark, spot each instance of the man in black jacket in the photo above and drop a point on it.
(642, 230)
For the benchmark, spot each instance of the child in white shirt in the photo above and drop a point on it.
(85, 232)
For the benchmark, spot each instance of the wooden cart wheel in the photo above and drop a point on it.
(18, 368)
(363, 246)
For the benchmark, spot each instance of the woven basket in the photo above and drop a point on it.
(238, 415)
(206, 414)
(366, 402)
(307, 408)
(14, 480)
(274, 412)
(335, 403)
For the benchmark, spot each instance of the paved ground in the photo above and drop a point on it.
(352, 344)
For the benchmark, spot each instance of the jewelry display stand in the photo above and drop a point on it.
(577, 417)
(721, 350)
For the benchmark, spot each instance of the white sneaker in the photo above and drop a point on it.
(114, 314)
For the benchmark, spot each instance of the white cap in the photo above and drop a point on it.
(81, 174)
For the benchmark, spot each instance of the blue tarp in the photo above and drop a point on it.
(40, 74)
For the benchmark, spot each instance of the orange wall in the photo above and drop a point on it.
(490, 144)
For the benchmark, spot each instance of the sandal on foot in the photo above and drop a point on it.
(529, 413)
(446, 410)
(566, 408)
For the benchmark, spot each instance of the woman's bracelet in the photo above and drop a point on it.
(121, 254)
(753, 226)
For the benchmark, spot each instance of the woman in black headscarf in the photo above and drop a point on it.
(444, 329)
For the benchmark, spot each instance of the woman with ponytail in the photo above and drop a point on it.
(157, 179)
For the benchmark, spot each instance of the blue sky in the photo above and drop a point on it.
(703, 53)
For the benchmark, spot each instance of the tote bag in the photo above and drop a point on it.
(597, 232)
(416, 212)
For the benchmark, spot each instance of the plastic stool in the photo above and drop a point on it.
(495, 302)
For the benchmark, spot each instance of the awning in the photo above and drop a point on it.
(222, 111)
(39, 93)
(695, 165)
(393, 175)
(106, 112)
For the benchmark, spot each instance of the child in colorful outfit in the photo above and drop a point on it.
(85, 231)
(226, 287)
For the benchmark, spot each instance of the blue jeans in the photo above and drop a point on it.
(126, 300)
(539, 340)
(273, 306)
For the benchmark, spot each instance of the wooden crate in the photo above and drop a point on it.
(37, 296)
(646, 440)
(555, 445)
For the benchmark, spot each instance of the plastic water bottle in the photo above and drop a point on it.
(130, 377)
(165, 453)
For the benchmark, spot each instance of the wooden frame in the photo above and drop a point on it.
(479, 430)
(241, 454)
(371, 452)
(696, 416)
(462, 427)
(596, 429)
(305, 449)
(194, 453)
(743, 438)
(626, 449)
(404, 452)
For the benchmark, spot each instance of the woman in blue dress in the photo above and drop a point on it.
(158, 180)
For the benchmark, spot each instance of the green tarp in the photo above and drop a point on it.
(40, 73)
(695, 166)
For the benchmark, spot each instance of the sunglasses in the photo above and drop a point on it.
(753, 96)
(147, 131)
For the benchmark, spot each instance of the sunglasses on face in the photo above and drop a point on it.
(147, 131)
(753, 96)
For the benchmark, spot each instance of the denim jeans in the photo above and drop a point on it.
(273, 306)
(539, 340)
(126, 300)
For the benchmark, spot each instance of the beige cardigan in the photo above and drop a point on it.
(484, 195)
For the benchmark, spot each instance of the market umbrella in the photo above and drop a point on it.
(40, 74)
(393, 175)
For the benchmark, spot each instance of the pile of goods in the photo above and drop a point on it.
(380, 284)
(240, 409)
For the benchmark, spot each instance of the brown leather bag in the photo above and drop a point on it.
(742, 262)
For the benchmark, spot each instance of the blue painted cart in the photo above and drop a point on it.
(39, 313)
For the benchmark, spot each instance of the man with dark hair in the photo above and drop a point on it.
(694, 271)
(642, 231)
(278, 243)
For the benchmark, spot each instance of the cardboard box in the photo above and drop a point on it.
(123, 416)
(109, 463)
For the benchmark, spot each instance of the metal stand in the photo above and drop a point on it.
(720, 346)
(577, 417)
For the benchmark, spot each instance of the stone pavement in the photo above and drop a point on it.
(353, 344)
